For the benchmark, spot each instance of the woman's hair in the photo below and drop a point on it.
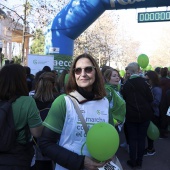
(158, 70)
(153, 76)
(108, 74)
(104, 68)
(61, 81)
(46, 68)
(133, 68)
(27, 70)
(13, 81)
(98, 85)
(164, 72)
(45, 89)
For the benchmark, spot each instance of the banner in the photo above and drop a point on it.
(62, 62)
(37, 62)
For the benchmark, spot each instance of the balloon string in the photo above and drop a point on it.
(82, 148)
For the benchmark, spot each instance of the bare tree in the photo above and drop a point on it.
(32, 14)
(98, 39)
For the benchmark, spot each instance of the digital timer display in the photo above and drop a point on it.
(158, 16)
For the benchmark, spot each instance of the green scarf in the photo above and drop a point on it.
(116, 103)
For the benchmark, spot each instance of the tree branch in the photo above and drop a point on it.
(12, 11)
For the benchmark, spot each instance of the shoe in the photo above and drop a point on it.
(125, 146)
(149, 152)
(131, 164)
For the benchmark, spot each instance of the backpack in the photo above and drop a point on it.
(7, 127)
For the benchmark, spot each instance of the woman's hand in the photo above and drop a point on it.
(91, 164)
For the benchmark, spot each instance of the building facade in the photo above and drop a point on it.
(11, 36)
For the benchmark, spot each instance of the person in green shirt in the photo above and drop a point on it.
(26, 118)
(63, 136)
(116, 102)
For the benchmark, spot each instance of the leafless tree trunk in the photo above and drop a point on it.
(24, 32)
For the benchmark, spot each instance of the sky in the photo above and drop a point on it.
(147, 33)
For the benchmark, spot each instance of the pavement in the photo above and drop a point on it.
(159, 161)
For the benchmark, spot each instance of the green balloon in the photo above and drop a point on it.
(122, 73)
(149, 67)
(102, 141)
(143, 60)
(153, 131)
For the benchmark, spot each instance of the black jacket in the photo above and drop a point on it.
(165, 103)
(138, 96)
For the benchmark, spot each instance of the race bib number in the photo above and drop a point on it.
(109, 166)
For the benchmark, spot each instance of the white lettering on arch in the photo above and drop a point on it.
(123, 2)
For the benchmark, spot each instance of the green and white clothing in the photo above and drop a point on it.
(116, 103)
(26, 115)
(62, 118)
(25, 112)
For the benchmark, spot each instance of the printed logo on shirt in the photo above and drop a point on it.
(98, 112)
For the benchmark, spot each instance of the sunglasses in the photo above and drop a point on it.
(87, 70)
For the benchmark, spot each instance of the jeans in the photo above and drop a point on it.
(137, 133)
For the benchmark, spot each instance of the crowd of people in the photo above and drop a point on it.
(45, 112)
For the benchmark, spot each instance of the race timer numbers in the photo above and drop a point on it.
(158, 16)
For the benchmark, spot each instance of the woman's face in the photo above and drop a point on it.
(115, 78)
(127, 74)
(85, 74)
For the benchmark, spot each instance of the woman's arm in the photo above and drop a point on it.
(60, 155)
(37, 131)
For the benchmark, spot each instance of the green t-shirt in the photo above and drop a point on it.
(25, 113)
(117, 105)
(56, 115)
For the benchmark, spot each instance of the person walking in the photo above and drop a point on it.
(26, 118)
(63, 135)
(138, 97)
(116, 102)
(153, 80)
(126, 143)
(165, 86)
(45, 93)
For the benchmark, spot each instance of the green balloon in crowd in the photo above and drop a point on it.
(143, 60)
(122, 73)
(102, 141)
(153, 131)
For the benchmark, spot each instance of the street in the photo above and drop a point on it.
(159, 161)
